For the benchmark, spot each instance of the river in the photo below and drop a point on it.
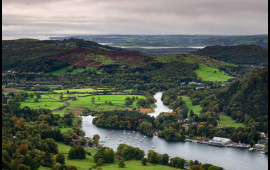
(226, 157)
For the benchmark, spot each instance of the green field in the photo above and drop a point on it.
(128, 90)
(101, 58)
(84, 164)
(76, 90)
(169, 58)
(61, 71)
(118, 102)
(52, 101)
(227, 121)
(65, 129)
(196, 108)
(211, 74)
(44, 102)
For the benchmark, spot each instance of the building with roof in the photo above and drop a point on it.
(220, 141)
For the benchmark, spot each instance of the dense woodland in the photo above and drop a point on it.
(240, 54)
(245, 101)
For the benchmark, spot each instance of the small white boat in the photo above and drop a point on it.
(250, 149)
(153, 146)
(262, 151)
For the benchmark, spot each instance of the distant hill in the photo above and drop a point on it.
(26, 55)
(136, 41)
(240, 54)
(247, 100)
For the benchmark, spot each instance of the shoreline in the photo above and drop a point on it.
(230, 144)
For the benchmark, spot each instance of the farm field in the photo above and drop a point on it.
(118, 102)
(8, 90)
(212, 74)
(44, 102)
(196, 108)
(76, 90)
(227, 121)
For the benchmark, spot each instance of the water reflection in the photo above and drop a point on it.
(228, 158)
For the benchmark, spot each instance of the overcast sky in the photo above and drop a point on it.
(226, 17)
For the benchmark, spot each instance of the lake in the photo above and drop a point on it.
(226, 157)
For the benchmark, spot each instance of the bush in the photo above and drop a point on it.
(144, 161)
(164, 159)
(77, 152)
(178, 162)
(128, 152)
(60, 158)
(121, 164)
(106, 154)
(100, 162)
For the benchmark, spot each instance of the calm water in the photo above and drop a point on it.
(228, 158)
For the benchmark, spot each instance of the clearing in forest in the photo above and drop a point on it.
(212, 74)
(227, 121)
(196, 108)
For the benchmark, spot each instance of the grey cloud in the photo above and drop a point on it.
(137, 17)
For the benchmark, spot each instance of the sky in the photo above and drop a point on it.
(217, 17)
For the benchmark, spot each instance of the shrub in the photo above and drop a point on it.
(121, 164)
(77, 152)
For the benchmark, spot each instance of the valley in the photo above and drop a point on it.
(78, 89)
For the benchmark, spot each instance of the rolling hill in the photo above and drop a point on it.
(240, 54)
(247, 100)
(29, 55)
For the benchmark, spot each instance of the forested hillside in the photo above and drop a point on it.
(241, 54)
(29, 55)
(247, 100)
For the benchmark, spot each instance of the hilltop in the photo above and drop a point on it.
(240, 54)
(30, 55)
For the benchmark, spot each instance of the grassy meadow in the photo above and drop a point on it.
(84, 90)
(196, 108)
(227, 121)
(212, 74)
(44, 102)
(118, 102)
(74, 71)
